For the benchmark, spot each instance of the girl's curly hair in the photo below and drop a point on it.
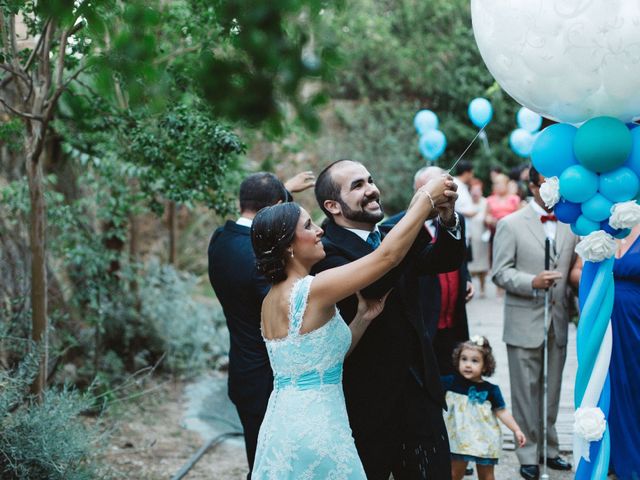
(480, 344)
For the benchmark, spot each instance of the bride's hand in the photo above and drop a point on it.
(442, 190)
(370, 308)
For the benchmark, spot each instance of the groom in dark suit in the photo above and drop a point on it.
(240, 290)
(391, 380)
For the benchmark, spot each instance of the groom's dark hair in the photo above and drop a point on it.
(326, 188)
(261, 190)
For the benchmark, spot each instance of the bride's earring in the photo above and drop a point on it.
(291, 253)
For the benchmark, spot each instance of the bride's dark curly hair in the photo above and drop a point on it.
(272, 231)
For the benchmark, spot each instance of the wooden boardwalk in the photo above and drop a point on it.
(486, 318)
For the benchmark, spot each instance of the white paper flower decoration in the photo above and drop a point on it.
(597, 246)
(589, 423)
(625, 215)
(550, 191)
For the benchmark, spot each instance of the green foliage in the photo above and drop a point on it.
(11, 133)
(46, 440)
(185, 156)
(271, 48)
(192, 334)
(420, 55)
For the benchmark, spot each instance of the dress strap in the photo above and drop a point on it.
(298, 304)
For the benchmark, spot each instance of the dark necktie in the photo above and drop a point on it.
(548, 218)
(374, 239)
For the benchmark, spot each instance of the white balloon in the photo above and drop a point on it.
(569, 60)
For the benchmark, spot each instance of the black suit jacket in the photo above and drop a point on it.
(241, 289)
(430, 295)
(396, 348)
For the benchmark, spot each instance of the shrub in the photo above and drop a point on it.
(46, 440)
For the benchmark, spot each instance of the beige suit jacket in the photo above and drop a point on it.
(518, 256)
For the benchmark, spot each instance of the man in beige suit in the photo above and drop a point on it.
(518, 267)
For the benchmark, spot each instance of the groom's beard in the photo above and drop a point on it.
(362, 216)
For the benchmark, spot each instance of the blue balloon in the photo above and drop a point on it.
(552, 150)
(619, 185)
(614, 232)
(597, 208)
(424, 121)
(432, 144)
(480, 112)
(521, 142)
(584, 226)
(633, 162)
(577, 184)
(528, 120)
(567, 212)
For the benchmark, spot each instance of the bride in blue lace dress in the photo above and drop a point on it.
(305, 434)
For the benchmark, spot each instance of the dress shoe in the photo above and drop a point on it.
(529, 472)
(557, 463)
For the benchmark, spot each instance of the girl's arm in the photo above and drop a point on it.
(368, 309)
(505, 417)
(331, 286)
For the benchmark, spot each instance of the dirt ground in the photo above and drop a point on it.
(149, 442)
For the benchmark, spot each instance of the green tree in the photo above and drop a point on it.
(245, 58)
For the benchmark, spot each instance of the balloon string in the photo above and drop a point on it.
(465, 150)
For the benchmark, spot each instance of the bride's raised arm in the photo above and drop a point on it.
(331, 286)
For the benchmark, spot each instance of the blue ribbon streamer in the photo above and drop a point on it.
(596, 295)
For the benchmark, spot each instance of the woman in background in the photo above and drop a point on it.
(479, 235)
(624, 415)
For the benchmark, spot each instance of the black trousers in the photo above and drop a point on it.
(251, 422)
(418, 446)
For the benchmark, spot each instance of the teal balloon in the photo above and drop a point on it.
(577, 184)
(597, 208)
(603, 144)
(633, 162)
(619, 185)
(584, 226)
(552, 151)
(424, 121)
(521, 142)
(480, 112)
(432, 144)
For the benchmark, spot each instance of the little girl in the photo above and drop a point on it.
(473, 405)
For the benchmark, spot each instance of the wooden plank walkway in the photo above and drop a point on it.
(486, 318)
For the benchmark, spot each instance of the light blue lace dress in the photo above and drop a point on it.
(305, 434)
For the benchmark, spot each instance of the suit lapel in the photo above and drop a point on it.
(562, 235)
(534, 225)
(347, 241)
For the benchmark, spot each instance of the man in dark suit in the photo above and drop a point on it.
(240, 290)
(443, 296)
(391, 380)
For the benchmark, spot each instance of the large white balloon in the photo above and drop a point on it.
(569, 60)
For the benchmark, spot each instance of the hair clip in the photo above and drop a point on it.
(478, 340)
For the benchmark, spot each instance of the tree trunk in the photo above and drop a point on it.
(173, 232)
(37, 243)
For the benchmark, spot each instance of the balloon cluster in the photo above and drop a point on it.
(522, 138)
(432, 141)
(598, 165)
(592, 183)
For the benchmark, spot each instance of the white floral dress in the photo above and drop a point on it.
(474, 433)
